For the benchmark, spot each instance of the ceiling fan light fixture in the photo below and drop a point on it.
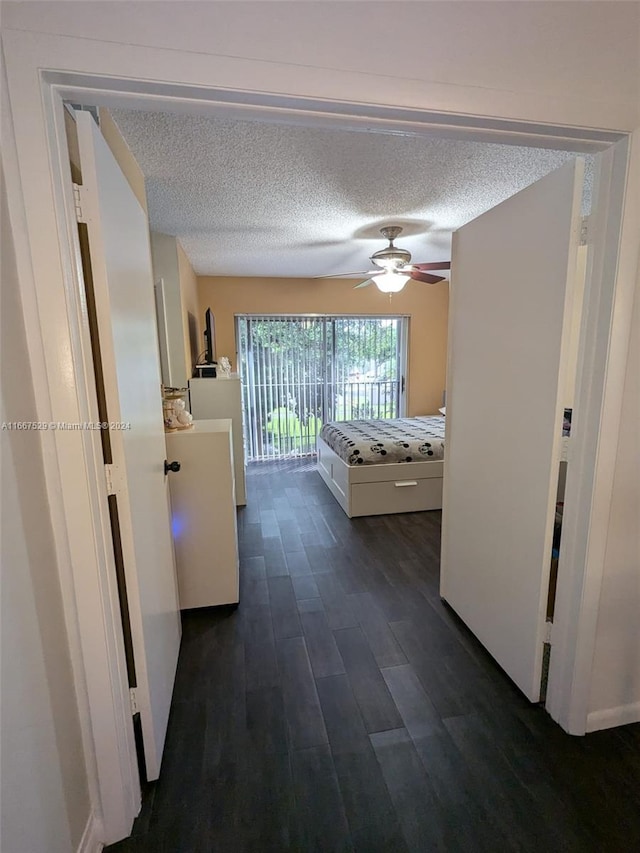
(391, 282)
(388, 264)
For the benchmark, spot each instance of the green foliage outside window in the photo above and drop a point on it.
(306, 370)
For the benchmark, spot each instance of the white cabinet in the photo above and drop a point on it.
(222, 398)
(203, 513)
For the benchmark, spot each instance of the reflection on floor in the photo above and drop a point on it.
(343, 707)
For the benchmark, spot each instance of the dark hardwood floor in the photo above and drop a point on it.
(343, 707)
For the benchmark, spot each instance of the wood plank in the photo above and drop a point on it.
(259, 647)
(419, 716)
(345, 726)
(368, 806)
(411, 792)
(374, 700)
(339, 611)
(310, 605)
(321, 823)
(284, 611)
(301, 704)
(265, 721)
(275, 562)
(304, 586)
(297, 562)
(321, 645)
(375, 627)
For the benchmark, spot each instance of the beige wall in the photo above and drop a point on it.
(73, 147)
(425, 304)
(180, 289)
(123, 155)
(119, 149)
(166, 275)
(189, 299)
(44, 792)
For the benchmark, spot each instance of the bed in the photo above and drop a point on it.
(382, 467)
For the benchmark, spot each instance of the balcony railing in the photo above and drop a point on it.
(292, 427)
(300, 371)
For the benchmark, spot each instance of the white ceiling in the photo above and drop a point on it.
(253, 199)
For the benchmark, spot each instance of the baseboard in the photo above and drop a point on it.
(91, 841)
(610, 717)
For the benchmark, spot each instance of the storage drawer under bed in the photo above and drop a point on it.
(404, 495)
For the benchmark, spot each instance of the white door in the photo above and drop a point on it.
(124, 295)
(510, 310)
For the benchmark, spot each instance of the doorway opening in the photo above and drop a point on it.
(55, 283)
(299, 372)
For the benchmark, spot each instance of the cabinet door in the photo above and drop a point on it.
(204, 515)
(513, 270)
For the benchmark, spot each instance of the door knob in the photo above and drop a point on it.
(171, 466)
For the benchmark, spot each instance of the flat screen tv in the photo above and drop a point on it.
(194, 340)
(209, 338)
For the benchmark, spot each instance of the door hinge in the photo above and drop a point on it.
(108, 473)
(548, 629)
(77, 198)
(133, 700)
(584, 230)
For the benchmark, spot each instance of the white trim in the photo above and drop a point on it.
(96, 72)
(234, 104)
(59, 348)
(86, 70)
(623, 715)
(91, 841)
(98, 605)
(51, 401)
(604, 344)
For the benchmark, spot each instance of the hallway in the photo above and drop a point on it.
(343, 707)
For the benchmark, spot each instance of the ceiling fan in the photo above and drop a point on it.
(394, 267)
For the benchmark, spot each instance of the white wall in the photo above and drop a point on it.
(44, 793)
(164, 254)
(615, 688)
(527, 59)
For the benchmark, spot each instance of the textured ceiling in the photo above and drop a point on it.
(253, 199)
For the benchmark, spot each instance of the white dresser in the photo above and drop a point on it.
(203, 511)
(222, 398)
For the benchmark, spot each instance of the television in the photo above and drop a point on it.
(209, 338)
(194, 341)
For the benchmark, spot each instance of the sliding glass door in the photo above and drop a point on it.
(300, 371)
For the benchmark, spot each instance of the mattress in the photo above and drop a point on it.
(398, 440)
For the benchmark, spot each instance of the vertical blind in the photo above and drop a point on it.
(300, 371)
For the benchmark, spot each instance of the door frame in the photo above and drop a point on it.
(612, 277)
(42, 70)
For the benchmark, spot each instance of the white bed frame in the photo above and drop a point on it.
(381, 489)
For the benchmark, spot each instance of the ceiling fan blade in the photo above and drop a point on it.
(345, 274)
(363, 284)
(418, 275)
(434, 265)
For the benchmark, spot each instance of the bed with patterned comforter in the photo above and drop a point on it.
(399, 440)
